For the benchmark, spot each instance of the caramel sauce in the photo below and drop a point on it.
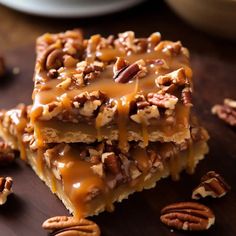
(190, 160)
(78, 180)
(19, 124)
(53, 183)
(40, 160)
(174, 167)
(145, 134)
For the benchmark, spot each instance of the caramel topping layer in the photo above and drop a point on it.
(109, 79)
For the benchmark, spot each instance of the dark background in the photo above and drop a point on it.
(214, 65)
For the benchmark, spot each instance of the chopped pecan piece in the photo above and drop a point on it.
(226, 112)
(212, 184)
(155, 160)
(177, 77)
(69, 61)
(5, 188)
(142, 104)
(127, 73)
(98, 169)
(162, 100)
(106, 114)
(54, 59)
(187, 96)
(170, 48)
(65, 225)
(7, 154)
(51, 110)
(134, 171)
(119, 65)
(153, 40)
(53, 74)
(111, 162)
(190, 216)
(2, 67)
(143, 116)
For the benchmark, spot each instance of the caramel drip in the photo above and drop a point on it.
(145, 134)
(123, 108)
(53, 183)
(20, 123)
(79, 180)
(174, 167)
(38, 136)
(190, 160)
(39, 161)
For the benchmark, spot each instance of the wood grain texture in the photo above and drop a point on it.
(214, 65)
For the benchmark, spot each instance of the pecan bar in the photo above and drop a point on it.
(116, 88)
(89, 178)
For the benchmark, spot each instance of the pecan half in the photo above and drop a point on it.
(226, 112)
(7, 154)
(5, 188)
(187, 216)
(54, 59)
(212, 184)
(65, 226)
(127, 73)
(162, 100)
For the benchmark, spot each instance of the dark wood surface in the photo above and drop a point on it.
(214, 65)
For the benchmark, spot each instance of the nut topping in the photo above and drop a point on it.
(119, 65)
(187, 96)
(112, 163)
(226, 112)
(65, 226)
(162, 100)
(7, 154)
(53, 74)
(212, 184)
(55, 59)
(190, 216)
(127, 73)
(5, 188)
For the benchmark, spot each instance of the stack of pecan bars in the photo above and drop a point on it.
(110, 116)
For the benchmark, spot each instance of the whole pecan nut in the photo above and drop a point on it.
(67, 225)
(212, 184)
(5, 188)
(7, 154)
(187, 216)
(226, 112)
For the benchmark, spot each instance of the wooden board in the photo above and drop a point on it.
(214, 65)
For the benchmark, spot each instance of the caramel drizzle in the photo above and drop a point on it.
(190, 159)
(174, 167)
(20, 123)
